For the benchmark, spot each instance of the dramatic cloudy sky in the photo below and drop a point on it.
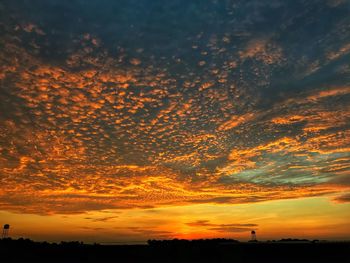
(128, 120)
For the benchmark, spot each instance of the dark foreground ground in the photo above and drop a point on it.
(19, 251)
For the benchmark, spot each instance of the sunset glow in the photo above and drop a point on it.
(129, 120)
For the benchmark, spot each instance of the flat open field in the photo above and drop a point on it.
(182, 252)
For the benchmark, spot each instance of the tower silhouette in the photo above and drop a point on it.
(5, 231)
(253, 236)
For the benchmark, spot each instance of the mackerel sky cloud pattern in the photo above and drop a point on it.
(145, 104)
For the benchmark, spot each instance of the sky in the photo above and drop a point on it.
(122, 121)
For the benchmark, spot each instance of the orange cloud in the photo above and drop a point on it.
(96, 131)
(236, 121)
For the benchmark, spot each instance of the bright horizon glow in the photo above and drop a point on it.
(278, 219)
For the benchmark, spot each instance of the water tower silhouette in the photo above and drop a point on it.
(253, 236)
(5, 231)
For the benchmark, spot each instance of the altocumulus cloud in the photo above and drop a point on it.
(99, 115)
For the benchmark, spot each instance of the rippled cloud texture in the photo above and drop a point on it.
(147, 104)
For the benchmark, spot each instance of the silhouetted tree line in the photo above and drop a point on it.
(24, 242)
(176, 251)
(185, 242)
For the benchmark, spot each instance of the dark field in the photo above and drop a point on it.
(179, 251)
